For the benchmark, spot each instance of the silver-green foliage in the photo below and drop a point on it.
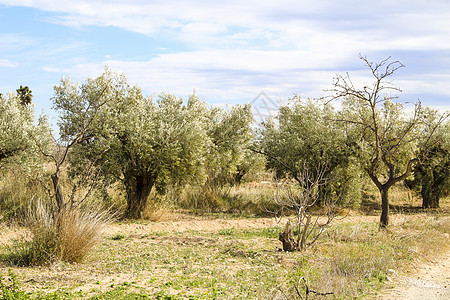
(20, 160)
(305, 136)
(17, 130)
(146, 142)
(230, 133)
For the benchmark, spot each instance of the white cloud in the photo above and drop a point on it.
(428, 85)
(240, 75)
(381, 24)
(221, 75)
(238, 48)
(12, 43)
(6, 63)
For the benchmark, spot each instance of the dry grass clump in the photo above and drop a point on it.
(67, 235)
(79, 231)
(157, 212)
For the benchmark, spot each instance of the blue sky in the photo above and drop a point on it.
(228, 51)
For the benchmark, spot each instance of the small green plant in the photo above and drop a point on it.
(10, 288)
(117, 237)
(18, 254)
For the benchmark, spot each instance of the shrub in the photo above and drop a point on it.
(67, 235)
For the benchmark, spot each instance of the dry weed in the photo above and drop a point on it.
(65, 235)
(158, 212)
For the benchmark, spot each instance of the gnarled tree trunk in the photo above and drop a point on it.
(430, 196)
(138, 188)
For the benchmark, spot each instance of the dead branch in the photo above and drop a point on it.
(298, 203)
(307, 290)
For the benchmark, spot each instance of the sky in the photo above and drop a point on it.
(229, 52)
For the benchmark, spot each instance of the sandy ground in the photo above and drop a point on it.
(428, 281)
(193, 223)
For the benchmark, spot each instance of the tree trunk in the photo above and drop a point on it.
(430, 199)
(432, 185)
(287, 238)
(138, 189)
(384, 220)
(58, 191)
(302, 243)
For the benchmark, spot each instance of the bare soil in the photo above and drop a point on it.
(426, 281)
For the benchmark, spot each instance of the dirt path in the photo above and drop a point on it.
(428, 281)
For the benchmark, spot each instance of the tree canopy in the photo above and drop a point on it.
(19, 127)
(390, 140)
(149, 142)
(303, 135)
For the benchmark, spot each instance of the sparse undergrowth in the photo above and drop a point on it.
(351, 260)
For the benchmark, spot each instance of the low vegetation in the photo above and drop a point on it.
(138, 261)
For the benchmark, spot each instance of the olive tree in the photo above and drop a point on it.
(20, 162)
(17, 126)
(229, 132)
(304, 137)
(142, 142)
(15, 122)
(390, 140)
(432, 174)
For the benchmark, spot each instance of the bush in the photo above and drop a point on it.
(67, 235)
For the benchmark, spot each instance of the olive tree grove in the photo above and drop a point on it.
(148, 143)
(139, 141)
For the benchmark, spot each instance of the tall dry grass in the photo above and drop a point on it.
(245, 199)
(16, 190)
(67, 235)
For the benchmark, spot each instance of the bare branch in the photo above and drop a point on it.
(300, 201)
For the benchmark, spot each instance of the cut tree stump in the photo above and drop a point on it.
(287, 238)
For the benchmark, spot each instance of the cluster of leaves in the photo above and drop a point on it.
(18, 130)
(149, 142)
(432, 174)
(305, 136)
